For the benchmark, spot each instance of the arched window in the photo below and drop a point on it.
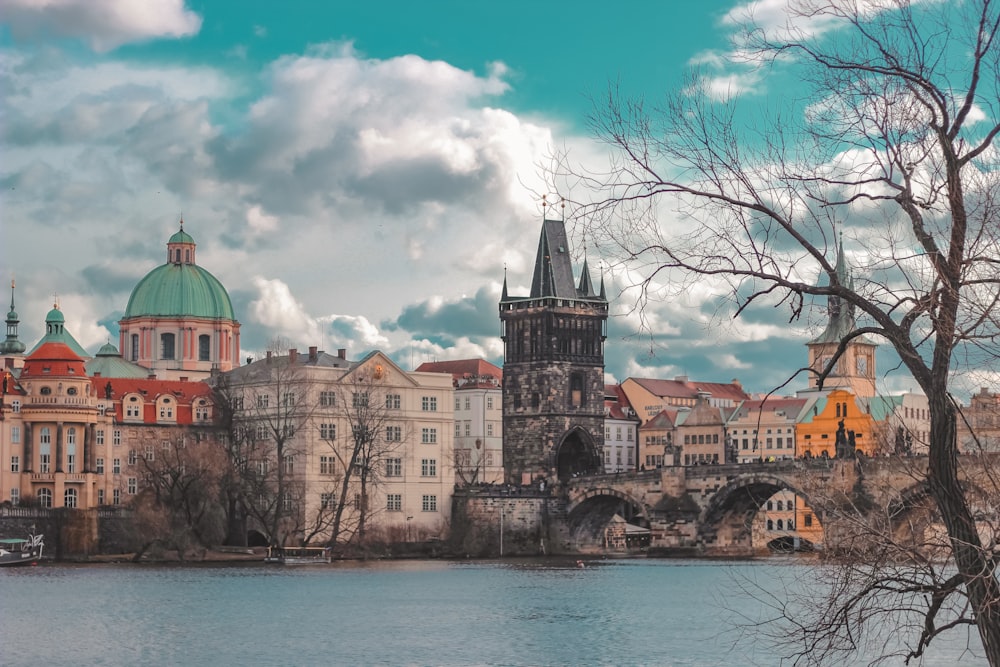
(69, 498)
(177, 255)
(45, 498)
(204, 347)
(71, 453)
(838, 410)
(781, 505)
(135, 347)
(770, 525)
(780, 524)
(770, 505)
(576, 396)
(167, 346)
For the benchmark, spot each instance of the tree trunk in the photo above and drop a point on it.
(973, 562)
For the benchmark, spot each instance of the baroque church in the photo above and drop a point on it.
(553, 390)
(75, 429)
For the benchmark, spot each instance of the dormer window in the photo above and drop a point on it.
(71, 391)
(45, 391)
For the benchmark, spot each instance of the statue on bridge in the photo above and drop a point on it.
(845, 444)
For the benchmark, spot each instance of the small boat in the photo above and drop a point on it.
(15, 551)
(298, 555)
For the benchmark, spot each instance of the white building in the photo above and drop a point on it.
(621, 431)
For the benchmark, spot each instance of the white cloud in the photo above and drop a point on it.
(103, 24)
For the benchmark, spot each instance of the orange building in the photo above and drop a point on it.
(836, 425)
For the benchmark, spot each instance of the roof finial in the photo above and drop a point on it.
(182, 221)
(55, 300)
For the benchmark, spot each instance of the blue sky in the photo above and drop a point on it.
(358, 175)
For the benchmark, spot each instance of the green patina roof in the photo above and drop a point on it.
(110, 364)
(186, 290)
(181, 237)
(55, 332)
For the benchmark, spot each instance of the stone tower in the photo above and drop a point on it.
(553, 388)
(855, 371)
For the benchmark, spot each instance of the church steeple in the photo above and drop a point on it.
(855, 369)
(12, 345)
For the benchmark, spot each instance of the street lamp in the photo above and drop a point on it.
(408, 527)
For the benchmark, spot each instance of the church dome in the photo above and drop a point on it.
(180, 288)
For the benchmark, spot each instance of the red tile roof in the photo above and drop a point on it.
(53, 359)
(469, 370)
(690, 389)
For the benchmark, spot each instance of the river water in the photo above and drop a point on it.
(516, 613)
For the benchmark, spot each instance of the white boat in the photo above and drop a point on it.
(298, 555)
(14, 551)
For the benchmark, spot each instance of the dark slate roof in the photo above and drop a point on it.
(553, 267)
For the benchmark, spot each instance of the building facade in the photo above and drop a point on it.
(478, 418)
(621, 432)
(361, 449)
(553, 390)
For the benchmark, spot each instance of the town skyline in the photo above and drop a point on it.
(355, 180)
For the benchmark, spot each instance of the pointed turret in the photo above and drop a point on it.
(12, 345)
(586, 285)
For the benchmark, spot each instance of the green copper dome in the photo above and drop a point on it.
(180, 290)
(181, 237)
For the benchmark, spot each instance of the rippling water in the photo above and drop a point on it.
(546, 612)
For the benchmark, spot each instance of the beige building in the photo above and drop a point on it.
(983, 416)
(310, 422)
(648, 397)
(478, 418)
(764, 430)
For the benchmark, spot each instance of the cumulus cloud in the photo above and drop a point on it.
(103, 24)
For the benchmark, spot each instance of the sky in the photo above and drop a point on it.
(358, 175)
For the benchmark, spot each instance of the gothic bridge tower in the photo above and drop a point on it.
(553, 373)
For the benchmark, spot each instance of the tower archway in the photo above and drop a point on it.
(577, 455)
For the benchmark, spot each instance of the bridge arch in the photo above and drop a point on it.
(725, 524)
(591, 512)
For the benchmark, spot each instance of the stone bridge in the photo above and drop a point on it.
(710, 509)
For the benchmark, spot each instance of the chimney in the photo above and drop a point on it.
(737, 383)
(342, 353)
(293, 355)
(269, 356)
(313, 353)
(681, 378)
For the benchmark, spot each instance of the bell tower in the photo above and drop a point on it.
(855, 370)
(553, 389)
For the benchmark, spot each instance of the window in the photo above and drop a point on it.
(428, 436)
(132, 486)
(326, 465)
(45, 461)
(618, 433)
(394, 502)
(116, 437)
(15, 406)
(100, 496)
(770, 524)
(99, 464)
(15, 464)
(289, 465)
(394, 467)
(116, 496)
(808, 519)
(45, 498)
(328, 431)
(429, 504)
(133, 408)
(45, 391)
(327, 399)
(468, 428)
(69, 498)
(429, 403)
(15, 496)
(326, 501)
(392, 401)
(263, 400)
(204, 347)
(359, 399)
(70, 458)
(135, 347)
(489, 429)
(468, 404)
(393, 433)
(201, 411)
(150, 453)
(428, 467)
(132, 457)
(576, 390)
(458, 429)
(166, 409)
(262, 467)
(116, 467)
(489, 402)
(99, 436)
(260, 432)
(167, 346)
(288, 399)
(458, 403)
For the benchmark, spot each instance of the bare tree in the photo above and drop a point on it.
(367, 406)
(897, 144)
(181, 490)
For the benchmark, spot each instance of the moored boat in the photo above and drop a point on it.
(298, 555)
(14, 551)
